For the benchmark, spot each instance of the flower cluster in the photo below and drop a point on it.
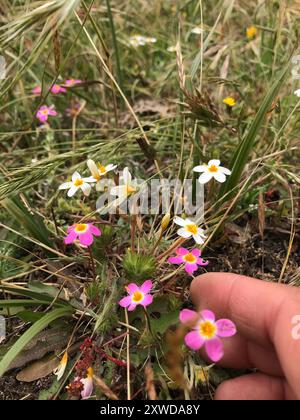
(140, 40)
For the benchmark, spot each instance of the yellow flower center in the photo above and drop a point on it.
(90, 372)
(213, 168)
(102, 169)
(78, 182)
(81, 228)
(45, 111)
(137, 296)
(207, 329)
(129, 189)
(190, 258)
(192, 229)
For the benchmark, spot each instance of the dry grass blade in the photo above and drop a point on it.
(105, 389)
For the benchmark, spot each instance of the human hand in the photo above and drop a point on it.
(268, 338)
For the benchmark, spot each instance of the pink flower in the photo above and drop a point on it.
(72, 82)
(44, 112)
(37, 90)
(191, 260)
(88, 384)
(137, 295)
(56, 89)
(207, 332)
(84, 232)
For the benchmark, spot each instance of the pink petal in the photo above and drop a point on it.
(71, 228)
(146, 286)
(196, 252)
(53, 113)
(148, 299)
(226, 328)
(208, 315)
(70, 238)
(182, 251)
(214, 349)
(202, 262)
(186, 315)
(175, 260)
(132, 287)
(193, 340)
(94, 230)
(190, 268)
(126, 301)
(88, 387)
(86, 239)
(131, 307)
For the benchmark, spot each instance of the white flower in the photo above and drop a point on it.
(172, 49)
(212, 170)
(60, 370)
(189, 229)
(88, 384)
(77, 183)
(297, 93)
(197, 30)
(98, 171)
(127, 186)
(140, 40)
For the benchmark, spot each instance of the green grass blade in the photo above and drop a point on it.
(29, 335)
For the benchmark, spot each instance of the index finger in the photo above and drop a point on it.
(263, 312)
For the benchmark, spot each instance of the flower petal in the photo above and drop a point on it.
(215, 162)
(190, 268)
(200, 168)
(86, 189)
(88, 387)
(219, 176)
(72, 191)
(182, 251)
(126, 301)
(65, 186)
(86, 239)
(205, 177)
(208, 315)
(126, 177)
(132, 287)
(76, 175)
(148, 299)
(187, 315)
(146, 286)
(92, 167)
(196, 252)
(184, 233)
(70, 238)
(214, 349)
(198, 239)
(175, 260)
(94, 230)
(225, 170)
(193, 340)
(202, 262)
(179, 221)
(226, 328)
(131, 307)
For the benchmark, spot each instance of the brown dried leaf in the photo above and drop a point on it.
(38, 369)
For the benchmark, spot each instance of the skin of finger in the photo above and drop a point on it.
(263, 313)
(256, 386)
(242, 354)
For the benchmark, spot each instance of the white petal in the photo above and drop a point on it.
(184, 233)
(92, 167)
(65, 186)
(297, 92)
(179, 221)
(72, 191)
(90, 179)
(200, 168)
(110, 167)
(215, 162)
(198, 239)
(126, 176)
(86, 189)
(224, 170)
(119, 190)
(205, 177)
(219, 176)
(76, 175)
